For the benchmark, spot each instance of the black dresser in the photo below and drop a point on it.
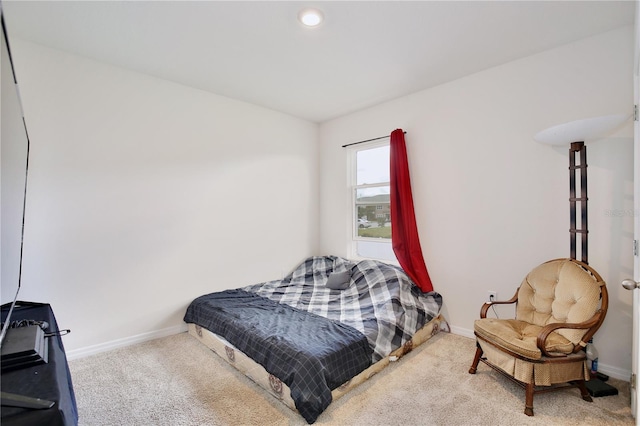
(50, 381)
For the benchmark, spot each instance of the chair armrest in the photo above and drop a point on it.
(549, 328)
(487, 305)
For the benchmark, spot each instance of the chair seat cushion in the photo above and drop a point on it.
(520, 337)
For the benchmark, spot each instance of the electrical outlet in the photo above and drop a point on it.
(492, 296)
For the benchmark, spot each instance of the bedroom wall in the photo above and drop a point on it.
(490, 202)
(144, 194)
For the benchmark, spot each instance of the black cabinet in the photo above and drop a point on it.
(50, 381)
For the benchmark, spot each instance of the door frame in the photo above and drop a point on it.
(635, 357)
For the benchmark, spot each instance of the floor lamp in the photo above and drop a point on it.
(575, 134)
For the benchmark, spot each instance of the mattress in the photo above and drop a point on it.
(279, 390)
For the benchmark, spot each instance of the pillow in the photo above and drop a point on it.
(339, 280)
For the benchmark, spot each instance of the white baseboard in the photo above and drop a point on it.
(462, 332)
(615, 372)
(609, 370)
(127, 341)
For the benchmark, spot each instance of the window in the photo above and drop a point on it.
(371, 214)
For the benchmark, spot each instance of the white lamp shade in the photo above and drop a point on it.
(581, 130)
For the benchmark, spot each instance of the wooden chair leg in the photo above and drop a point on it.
(528, 405)
(476, 360)
(583, 390)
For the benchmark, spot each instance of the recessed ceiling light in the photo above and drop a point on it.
(310, 17)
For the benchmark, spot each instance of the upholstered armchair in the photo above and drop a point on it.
(558, 307)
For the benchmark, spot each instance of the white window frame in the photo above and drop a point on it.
(377, 248)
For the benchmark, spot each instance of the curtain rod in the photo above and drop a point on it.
(368, 140)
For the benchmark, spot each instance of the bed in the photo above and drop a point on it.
(326, 327)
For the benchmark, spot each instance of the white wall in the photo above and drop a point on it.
(144, 194)
(490, 202)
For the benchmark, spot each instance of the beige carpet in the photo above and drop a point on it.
(177, 381)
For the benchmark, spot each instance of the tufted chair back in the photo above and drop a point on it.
(559, 291)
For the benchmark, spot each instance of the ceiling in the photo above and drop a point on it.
(364, 53)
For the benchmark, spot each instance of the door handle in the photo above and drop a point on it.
(630, 284)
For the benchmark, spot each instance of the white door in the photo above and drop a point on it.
(633, 283)
(629, 284)
(635, 363)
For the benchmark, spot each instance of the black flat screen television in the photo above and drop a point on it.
(14, 160)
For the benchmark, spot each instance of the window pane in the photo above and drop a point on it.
(373, 165)
(375, 250)
(373, 212)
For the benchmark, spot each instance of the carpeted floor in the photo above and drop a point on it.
(177, 381)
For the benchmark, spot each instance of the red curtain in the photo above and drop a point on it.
(404, 232)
